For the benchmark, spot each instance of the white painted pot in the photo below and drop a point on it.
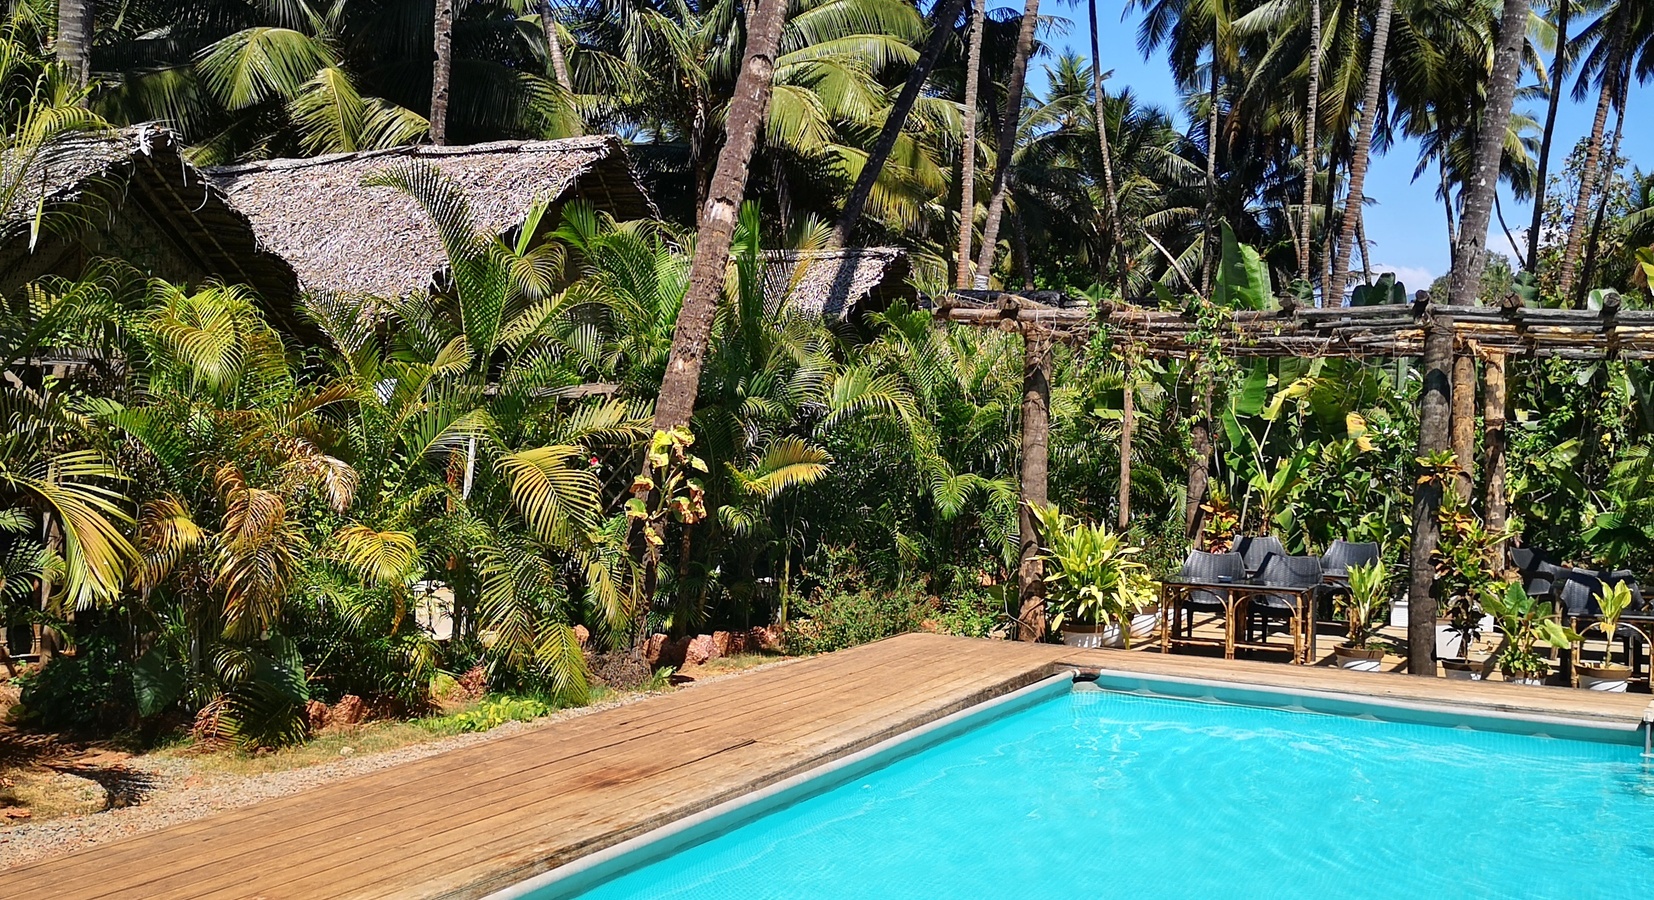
(1398, 613)
(1448, 643)
(1608, 679)
(1459, 670)
(1094, 636)
(1359, 660)
(1529, 680)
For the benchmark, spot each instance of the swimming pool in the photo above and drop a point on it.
(1094, 793)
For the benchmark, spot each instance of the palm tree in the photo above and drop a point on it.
(942, 20)
(967, 147)
(1624, 30)
(1483, 184)
(1010, 122)
(681, 383)
(1111, 191)
(1363, 150)
(442, 70)
(75, 29)
(1560, 14)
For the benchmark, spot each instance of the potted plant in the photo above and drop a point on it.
(1363, 607)
(1464, 580)
(1526, 623)
(1612, 603)
(1096, 593)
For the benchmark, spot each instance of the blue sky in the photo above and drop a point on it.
(1406, 226)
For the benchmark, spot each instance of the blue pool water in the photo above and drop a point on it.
(1094, 794)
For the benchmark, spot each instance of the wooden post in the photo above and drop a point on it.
(1036, 441)
(1200, 461)
(1128, 415)
(1493, 465)
(1435, 411)
(1464, 423)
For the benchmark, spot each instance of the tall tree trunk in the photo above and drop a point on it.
(1471, 255)
(941, 28)
(1510, 238)
(1111, 204)
(1588, 173)
(1361, 243)
(1200, 462)
(967, 147)
(1435, 413)
(74, 37)
(1447, 205)
(1312, 117)
(1559, 67)
(1209, 238)
(1363, 147)
(1036, 446)
(442, 70)
(1007, 143)
(1128, 421)
(681, 383)
(1329, 236)
(1464, 423)
(554, 48)
(1493, 458)
(1605, 178)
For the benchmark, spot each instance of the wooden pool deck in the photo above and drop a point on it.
(470, 821)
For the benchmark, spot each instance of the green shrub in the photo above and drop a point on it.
(491, 713)
(974, 613)
(88, 693)
(833, 618)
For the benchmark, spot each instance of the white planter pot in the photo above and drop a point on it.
(1455, 673)
(1358, 661)
(1091, 637)
(1530, 680)
(1607, 680)
(1398, 613)
(1448, 643)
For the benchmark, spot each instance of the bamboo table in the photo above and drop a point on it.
(1236, 598)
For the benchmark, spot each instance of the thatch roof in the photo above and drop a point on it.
(838, 284)
(340, 235)
(129, 193)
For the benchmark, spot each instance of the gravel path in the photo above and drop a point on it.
(179, 793)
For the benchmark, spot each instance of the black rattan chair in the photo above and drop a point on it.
(1540, 574)
(1255, 549)
(1342, 555)
(1283, 571)
(1208, 568)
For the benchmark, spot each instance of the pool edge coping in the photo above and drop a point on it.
(592, 869)
(1415, 709)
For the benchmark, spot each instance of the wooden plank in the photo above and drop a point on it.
(462, 823)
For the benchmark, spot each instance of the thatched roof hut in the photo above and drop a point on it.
(838, 285)
(129, 194)
(340, 235)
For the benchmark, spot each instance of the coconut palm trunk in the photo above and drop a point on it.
(554, 48)
(1477, 215)
(1580, 224)
(1362, 152)
(941, 28)
(1111, 205)
(74, 37)
(1312, 119)
(1208, 252)
(442, 70)
(681, 383)
(1605, 177)
(967, 147)
(1559, 68)
(1007, 143)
